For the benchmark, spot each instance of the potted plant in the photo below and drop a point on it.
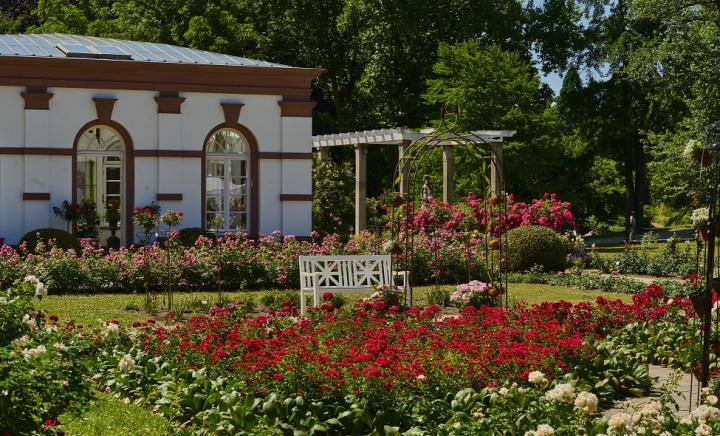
(69, 212)
(693, 288)
(112, 212)
(88, 211)
(699, 219)
(694, 150)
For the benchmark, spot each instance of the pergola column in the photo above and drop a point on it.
(496, 168)
(448, 169)
(360, 187)
(405, 167)
(324, 152)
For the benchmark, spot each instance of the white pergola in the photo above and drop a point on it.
(403, 138)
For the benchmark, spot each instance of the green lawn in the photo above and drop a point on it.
(110, 416)
(96, 309)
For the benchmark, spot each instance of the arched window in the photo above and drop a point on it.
(227, 183)
(100, 170)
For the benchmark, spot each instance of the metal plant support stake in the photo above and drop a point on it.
(710, 151)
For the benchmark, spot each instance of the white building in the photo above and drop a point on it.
(197, 132)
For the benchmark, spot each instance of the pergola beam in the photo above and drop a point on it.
(403, 138)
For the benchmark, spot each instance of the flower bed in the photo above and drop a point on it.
(533, 370)
(237, 262)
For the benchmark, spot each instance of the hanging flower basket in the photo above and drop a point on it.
(698, 303)
(704, 159)
(704, 233)
(494, 244)
(697, 370)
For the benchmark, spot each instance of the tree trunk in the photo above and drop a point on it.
(640, 181)
(629, 149)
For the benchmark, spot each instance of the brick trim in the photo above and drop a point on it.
(37, 98)
(296, 197)
(169, 197)
(33, 196)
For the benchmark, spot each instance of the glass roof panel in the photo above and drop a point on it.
(5, 50)
(60, 45)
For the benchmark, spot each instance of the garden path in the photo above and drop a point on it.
(663, 235)
(686, 394)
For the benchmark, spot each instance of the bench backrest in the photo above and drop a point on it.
(346, 271)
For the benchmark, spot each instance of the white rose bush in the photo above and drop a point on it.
(45, 367)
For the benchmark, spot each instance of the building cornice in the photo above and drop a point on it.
(293, 84)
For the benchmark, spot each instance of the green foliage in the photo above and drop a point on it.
(535, 245)
(491, 85)
(189, 235)
(438, 296)
(46, 367)
(576, 278)
(61, 239)
(8, 24)
(675, 258)
(333, 205)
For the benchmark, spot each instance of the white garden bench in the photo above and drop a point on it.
(344, 274)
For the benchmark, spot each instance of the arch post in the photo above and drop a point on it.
(360, 187)
(448, 172)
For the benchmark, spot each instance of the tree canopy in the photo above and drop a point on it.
(639, 77)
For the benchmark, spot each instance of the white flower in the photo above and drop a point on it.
(112, 329)
(19, 342)
(706, 413)
(542, 430)
(621, 421)
(3, 300)
(126, 363)
(586, 401)
(31, 279)
(563, 393)
(537, 378)
(503, 391)
(703, 430)
(59, 346)
(27, 319)
(711, 400)
(40, 290)
(420, 377)
(31, 352)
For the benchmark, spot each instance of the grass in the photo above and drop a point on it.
(96, 309)
(110, 416)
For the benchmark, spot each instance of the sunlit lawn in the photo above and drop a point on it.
(110, 416)
(96, 309)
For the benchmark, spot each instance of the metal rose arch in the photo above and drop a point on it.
(487, 231)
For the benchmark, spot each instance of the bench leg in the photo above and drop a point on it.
(303, 303)
(316, 294)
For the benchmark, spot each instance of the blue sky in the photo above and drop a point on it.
(554, 80)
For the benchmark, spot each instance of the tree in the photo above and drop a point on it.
(216, 25)
(496, 89)
(681, 57)
(16, 15)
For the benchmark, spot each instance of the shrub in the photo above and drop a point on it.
(534, 245)
(439, 297)
(62, 239)
(188, 236)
